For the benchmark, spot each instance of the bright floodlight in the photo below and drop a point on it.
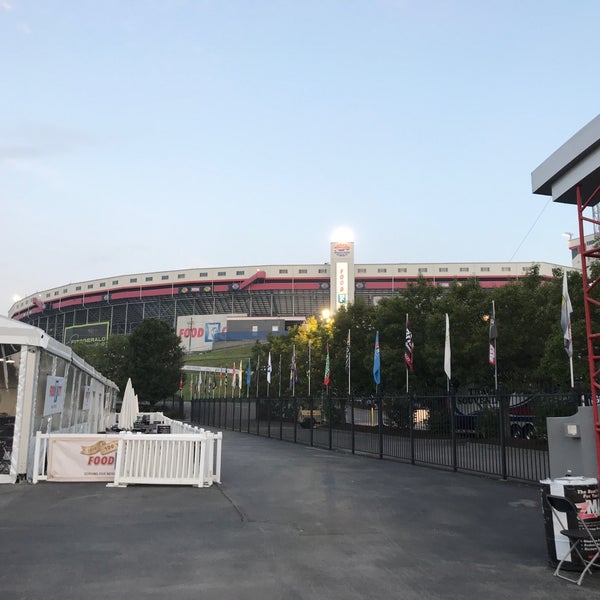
(16, 298)
(342, 234)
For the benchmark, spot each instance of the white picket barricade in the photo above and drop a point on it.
(173, 459)
(186, 456)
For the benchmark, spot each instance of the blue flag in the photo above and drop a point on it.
(293, 372)
(248, 375)
(377, 361)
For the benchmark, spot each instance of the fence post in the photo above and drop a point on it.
(351, 398)
(411, 426)
(219, 438)
(453, 429)
(36, 456)
(269, 416)
(280, 418)
(311, 421)
(258, 403)
(380, 422)
(501, 408)
(329, 418)
(295, 421)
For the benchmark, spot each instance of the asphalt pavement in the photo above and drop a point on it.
(288, 522)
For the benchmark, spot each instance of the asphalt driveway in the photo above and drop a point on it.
(288, 522)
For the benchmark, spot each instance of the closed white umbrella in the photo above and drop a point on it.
(128, 407)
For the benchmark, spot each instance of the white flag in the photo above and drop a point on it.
(269, 369)
(447, 359)
(565, 317)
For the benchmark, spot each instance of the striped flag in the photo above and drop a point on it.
(493, 335)
(327, 374)
(409, 347)
(348, 352)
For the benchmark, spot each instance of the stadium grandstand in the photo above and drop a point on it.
(239, 303)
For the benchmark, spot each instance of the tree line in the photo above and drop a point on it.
(530, 354)
(529, 345)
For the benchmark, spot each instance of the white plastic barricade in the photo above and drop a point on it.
(175, 459)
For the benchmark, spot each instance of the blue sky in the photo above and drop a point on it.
(142, 136)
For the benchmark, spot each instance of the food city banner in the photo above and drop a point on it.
(82, 457)
(198, 332)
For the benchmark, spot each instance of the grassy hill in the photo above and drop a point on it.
(221, 358)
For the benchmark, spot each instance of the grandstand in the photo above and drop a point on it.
(208, 303)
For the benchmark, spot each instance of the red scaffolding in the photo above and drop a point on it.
(589, 303)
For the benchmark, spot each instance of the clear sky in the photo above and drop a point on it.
(148, 135)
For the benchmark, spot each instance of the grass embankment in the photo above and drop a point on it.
(221, 358)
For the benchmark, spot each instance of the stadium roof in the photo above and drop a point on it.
(577, 161)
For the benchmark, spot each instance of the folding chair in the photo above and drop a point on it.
(561, 509)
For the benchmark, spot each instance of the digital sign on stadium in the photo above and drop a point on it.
(92, 333)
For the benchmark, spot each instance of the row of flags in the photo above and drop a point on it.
(565, 321)
(409, 348)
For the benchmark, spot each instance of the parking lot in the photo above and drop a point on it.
(289, 521)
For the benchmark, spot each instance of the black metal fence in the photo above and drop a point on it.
(497, 435)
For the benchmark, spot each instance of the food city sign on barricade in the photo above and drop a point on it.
(192, 458)
(74, 457)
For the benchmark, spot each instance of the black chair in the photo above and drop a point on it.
(561, 509)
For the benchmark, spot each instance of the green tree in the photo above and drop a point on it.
(155, 360)
(110, 359)
(358, 318)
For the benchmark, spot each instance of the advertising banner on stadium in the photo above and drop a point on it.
(82, 458)
(198, 332)
(341, 284)
(91, 333)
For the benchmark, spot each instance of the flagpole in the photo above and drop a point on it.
(350, 398)
(257, 373)
(280, 375)
(571, 366)
(405, 352)
(349, 351)
(495, 349)
(309, 368)
(280, 402)
(293, 371)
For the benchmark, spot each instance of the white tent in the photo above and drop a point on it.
(29, 357)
